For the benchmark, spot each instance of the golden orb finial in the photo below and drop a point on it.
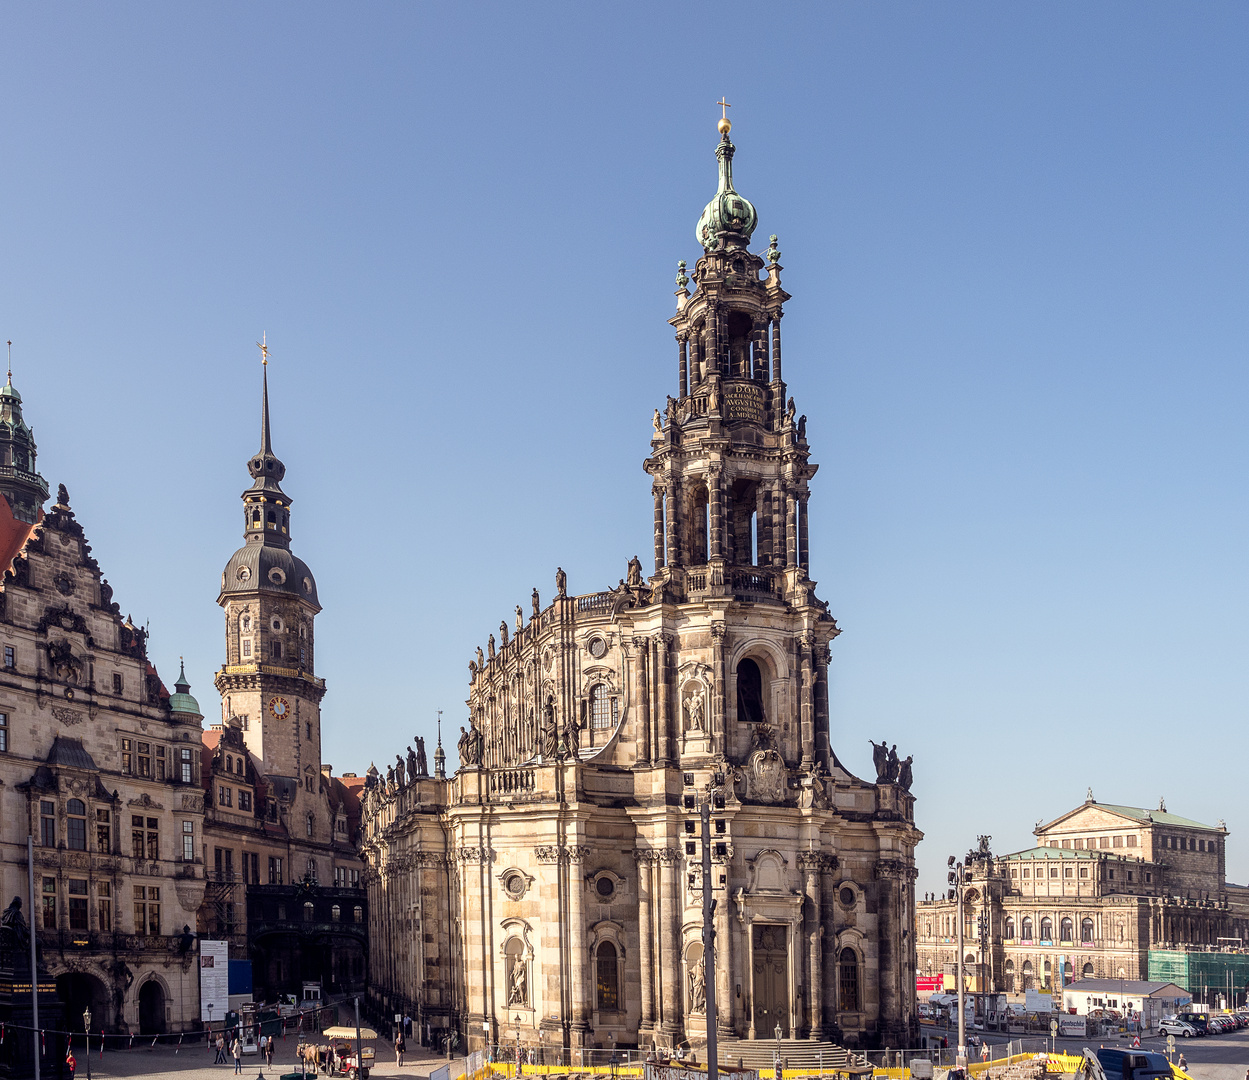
(724, 127)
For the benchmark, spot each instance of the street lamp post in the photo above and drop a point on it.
(86, 1026)
(776, 1056)
(210, 1026)
(955, 878)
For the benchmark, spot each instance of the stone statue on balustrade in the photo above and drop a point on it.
(905, 779)
(561, 581)
(536, 602)
(635, 571)
(413, 771)
(422, 763)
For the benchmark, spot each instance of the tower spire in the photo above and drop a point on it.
(266, 444)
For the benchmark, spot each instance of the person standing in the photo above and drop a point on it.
(400, 1046)
(269, 1051)
(236, 1049)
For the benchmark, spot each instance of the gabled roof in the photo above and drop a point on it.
(1131, 813)
(1067, 853)
(1125, 986)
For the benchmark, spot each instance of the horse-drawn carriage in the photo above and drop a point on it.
(336, 1056)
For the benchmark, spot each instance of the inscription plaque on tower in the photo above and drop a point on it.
(743, 401)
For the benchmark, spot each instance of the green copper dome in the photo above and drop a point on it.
(728, 219)
(180, 700)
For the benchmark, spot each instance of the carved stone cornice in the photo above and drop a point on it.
(474, 855)
(816, 861)
(546, 854)
(895, 870)
(658, 855)
(556, 853)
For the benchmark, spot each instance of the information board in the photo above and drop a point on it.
(214, 979)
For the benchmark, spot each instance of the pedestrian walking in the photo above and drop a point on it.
(236, 1048)
(269, 1051)
(400, 1046)
(1183, 1063)
(220, 1059)
(70, 1063)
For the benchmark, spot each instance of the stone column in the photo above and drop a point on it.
(791, 531)
(759, 339)
(646, 942)
(889, 950)
(806, 701)
(778, 524)
(804, 552)
(696, 355)
(717, 722)
(717, 514)
(658, 492)
(748, 982)
(641, 651)
(823, 740)
(763, 525)
(810, 862)
(828, 921)
(674, 522)
(776, 351)
(662, 681)
(725, 1002)
(683, 382)
(670, 959)
(580, 958)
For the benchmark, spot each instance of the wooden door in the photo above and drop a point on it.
(770, 993)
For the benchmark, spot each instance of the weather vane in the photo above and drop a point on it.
(263, 346)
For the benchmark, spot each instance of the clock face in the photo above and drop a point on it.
(278, 707)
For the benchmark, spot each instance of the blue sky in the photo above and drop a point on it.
(1016, 240)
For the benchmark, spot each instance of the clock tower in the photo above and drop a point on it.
(268, 684)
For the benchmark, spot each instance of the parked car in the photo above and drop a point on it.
(1177, 1027)
(1198, 1021)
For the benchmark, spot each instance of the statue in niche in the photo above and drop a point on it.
(561, 581)
(880, 759)
(518, 988)
(635, 571)
(520, 619)
(905, 779)
(698, 986)
(694, 720)
(550, 733)
(537, 603)
(422, 763)
(503, 633)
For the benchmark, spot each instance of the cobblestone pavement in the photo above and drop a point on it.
(195, 1063)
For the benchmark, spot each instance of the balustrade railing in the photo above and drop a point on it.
(508, 781)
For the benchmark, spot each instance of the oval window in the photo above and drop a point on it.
(276, 576)
(243, 573)
(605, 887)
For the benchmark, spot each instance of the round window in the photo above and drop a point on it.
(243, 573)
(277, 623)
(514, 885)
(605, 887)
(847, 896)
(308, 585)
(598, 648)
(277, 577)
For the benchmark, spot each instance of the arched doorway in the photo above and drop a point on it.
(80, 991)
(151, 1008)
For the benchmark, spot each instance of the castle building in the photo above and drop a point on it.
(1104, 885)
(99, 764)
(280, 831)
(550, 891)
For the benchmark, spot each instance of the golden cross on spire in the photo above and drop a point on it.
(263, 346)
(724, 107)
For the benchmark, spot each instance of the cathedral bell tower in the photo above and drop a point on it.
(268, 687)
(729, 458)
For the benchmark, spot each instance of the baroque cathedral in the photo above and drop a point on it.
(549, 892)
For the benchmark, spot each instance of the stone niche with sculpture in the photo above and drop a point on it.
(695, 686)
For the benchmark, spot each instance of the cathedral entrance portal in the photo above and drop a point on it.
(770, 992)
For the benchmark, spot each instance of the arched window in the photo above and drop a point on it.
(1047, 971)
(229, 764)
(749, 692)
(1088, 971)
(604, 708)
(1026, 971)
(310, 821)
(76, 835)
(1025, 931)
(358, 913)
(312, 868)
(1086, 930)
(1047, 929)
(700, 526)
(1064, 930)
(1068, 972)
(848, 981)
(607, 977)
(1010, 976)
(309, 911)
(1008, 928)
(336, 914)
